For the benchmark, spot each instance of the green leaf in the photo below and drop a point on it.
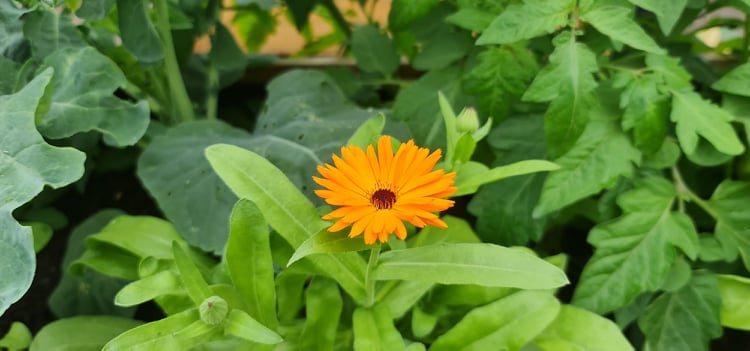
(684, 320)
(501, 75)
(241, 325)
(374, 330)
(600, 157)
(635, 252)
(191, 277)
(404, 296)
(567, 81)
(94, 10)
(506, 324)
(248, 260)
(673, 75)
(575, 329)
(443, 47)
(735, 82)
(667, 12)
(374, 51)
(471, 19)
(149, 288)
(137, 32)
(368, 132)
(47, 31)
(735, 292)
(85, 333)
(531, 19)
(327, 242)
(225, 53)
(255, 25)
(284, 207)
(323, 305)
(730, 204)
(404, 12)
(482, 264)
(696, 118)
(153, 335)
(83, 99)
(18, 337)
(474, 181)
(28, 163)
(458, 231)
(646, 110)
(617, 23)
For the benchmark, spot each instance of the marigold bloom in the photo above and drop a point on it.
(376, 193)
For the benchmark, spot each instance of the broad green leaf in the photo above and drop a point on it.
(506, 324)
(248, 260)
(730, 204)
(241, 325)
(11, 29)
(404, 296)
(323, 311)
(696, 117)
(374, 51)
(68, 299)
(684, 320)
(735, 292)
(417, 105)
(404, 12)
(94, 10)
(530, 19)
(369, 132)
(472, 183)
(600, 157)
(191, 277)
(464, 295)
(646, 111)
(27, 163)
(635, 252)
(84, 333)
(458, 231)
(9, 70)
(617, 23)
(18, 337)
(735, 82)
(149, 288)
(327, 242)
(150, 336)
(471, 19)
(137, 32)
(575, 329)
(567, 81)
(284, 208)
(667, 12)
(443, 47)
(482, 264)
(502, 74)
(47, 31)
(83, 99)
(374, 330)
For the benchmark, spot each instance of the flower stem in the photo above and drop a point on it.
(369, 279)
(183, 110)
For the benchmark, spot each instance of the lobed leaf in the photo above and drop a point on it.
(374, 51)
(617, 23)
(530, 19)
(667, 12)
(697, 118)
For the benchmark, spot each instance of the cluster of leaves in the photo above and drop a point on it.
(649, 137)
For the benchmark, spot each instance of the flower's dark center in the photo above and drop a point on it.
(383, 199)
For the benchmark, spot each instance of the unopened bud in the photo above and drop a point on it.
(213, 310)
(467, 121)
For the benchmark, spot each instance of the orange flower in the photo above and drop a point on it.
(376, 193)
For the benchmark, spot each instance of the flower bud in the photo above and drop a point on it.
(213, 310)
(467, 121)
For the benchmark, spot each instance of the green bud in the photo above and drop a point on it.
(467, 121)
(213, 310)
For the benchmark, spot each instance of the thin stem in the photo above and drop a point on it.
(212, 93)
(385, 290)
(369, 279)
(682, 189)
(183, 109)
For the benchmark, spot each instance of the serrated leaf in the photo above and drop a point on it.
(83, 99)
(696, 117)
(667, 12)
(576, 329)
(670, 70)
(472, 19)
(730, 203)
(506, 324)
(735, 292)
(635, 252)
(735, 81)
(617, 23)
(374, 51)
(528, 20)
(600, 157)
(684, 320)
(404, 12)
(28, 163)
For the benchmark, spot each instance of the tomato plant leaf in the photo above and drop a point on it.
(530, 19)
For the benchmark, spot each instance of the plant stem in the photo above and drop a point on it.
(682, 189)
(183, 108)
(212, 98)
(369, 279)
(746, 39)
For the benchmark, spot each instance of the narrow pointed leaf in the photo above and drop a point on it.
(327, 242)
(190, 276)
(322, 314)
(241, 325)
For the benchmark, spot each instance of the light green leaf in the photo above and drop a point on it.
(241, 325)
(323, 311)
(667, 12)
(248, 260)
(528, 20)
(374, 330)
(458, 231)
(326, 242)
(635, 252)
(600, 157)
(735, 292)
(149, 288)
(137, 32)
(735, 82)
(83, 99)
(84, 333)
(191, 277)
(151, 336)
(18, 337)
(288, 211)
(368, 132)
(482, 264)
(696, 117)
(472, 19)
(576, 329)
(472, 183)
(731, 206)
(374, 51)
(404, 12)
(684, 320)
(27, 163)
(404, 296)
(617, 23)
(506, 324)
(673, 75)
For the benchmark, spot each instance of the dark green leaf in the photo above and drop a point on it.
(137, 32)
(528, 20)
(94, 10)
(667, 12)
(374, 51)
(444, 47)
(48, 31)
(225, 53)
(684, 320)
(646, 110)
(87, 333)
(404, 12)
(472, 19)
